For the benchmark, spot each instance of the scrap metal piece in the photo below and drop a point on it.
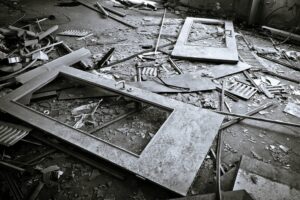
(13, 60)
(264, 181)
(242, 90)
(195, 52)
(12, 133)
(292, 109)
(40, 55)
(186, 135)
(74, 33)
(84, 37)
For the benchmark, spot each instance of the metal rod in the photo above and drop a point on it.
(10, 166)
(160, 31)
(258, 119)
(218, 164)
(51, 151)
(222, 96)
(114, 120)
(36, 191)
(252, 112)
(174, 65)
(215, 156)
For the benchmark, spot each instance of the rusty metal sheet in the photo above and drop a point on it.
(267, 182)
(171, 159)
(185, 50)
(12, 133)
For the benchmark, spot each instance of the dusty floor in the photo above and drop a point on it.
(81, 181)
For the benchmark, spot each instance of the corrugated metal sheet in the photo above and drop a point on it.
(12, 133)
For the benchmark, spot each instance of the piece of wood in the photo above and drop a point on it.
(10, 166)
(102, 9)
(223, 70)
(183, 50)
(229, 195)
(194, 83)
(185, 136)
(264, 181)
(282, 33)
(68, 59)
(44, 34)
(110, 16)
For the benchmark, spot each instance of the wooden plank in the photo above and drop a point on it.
(266, 182)
(186, 135)
(228, 54)
(67, 60)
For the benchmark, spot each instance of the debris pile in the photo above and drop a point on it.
(155, 112)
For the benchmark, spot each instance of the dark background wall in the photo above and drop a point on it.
(283, 14)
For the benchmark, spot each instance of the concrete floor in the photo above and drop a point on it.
(251, 138)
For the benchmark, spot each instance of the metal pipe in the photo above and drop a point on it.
(160, 31)
(258, 119)
(252, 112)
